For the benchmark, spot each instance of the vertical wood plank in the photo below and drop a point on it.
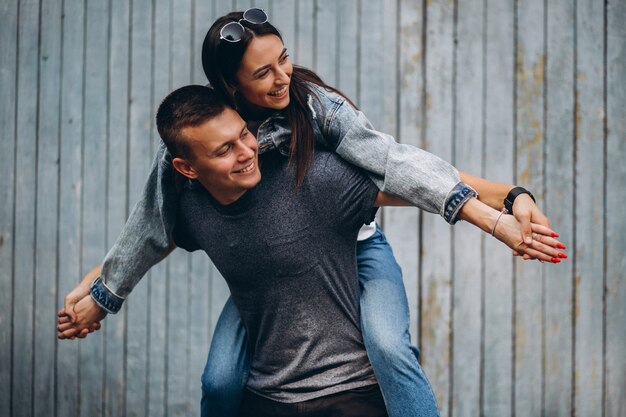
(326, 33)
(70, 190)
(94, 188)
(589, 181)
(25, 206)
(157, 285)
(347, 69)
(203, 18)
(200, 269)
(371, 61)
(178, 319)
(498, 165)
(47, 203)
(305, 39)
(114, 328)
(615, 361)
(8, 85)
(468, 133)
(140, 157)
(401, 224)
(529, 152)
(283, 17)
(437, 262)
(559, 203)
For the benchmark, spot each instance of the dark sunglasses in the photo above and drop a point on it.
(233, 31)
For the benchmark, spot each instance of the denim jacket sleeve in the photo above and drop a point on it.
(421, 178)
(145, 238)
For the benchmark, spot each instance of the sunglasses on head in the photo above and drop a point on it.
(233, 31)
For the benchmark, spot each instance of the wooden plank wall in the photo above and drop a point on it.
(530, 92)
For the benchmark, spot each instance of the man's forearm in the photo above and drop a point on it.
(489, 192)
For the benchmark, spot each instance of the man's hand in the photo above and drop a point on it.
(87, 319)
(526, 212)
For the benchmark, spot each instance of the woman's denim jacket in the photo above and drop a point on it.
(417, 176)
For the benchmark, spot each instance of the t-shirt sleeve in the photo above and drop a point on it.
(181, 235)
(343, 191)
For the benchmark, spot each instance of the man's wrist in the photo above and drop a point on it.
(104, 297)
(509, 201)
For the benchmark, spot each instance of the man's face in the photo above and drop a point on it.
(224, 157)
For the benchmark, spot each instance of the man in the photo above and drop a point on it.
(287, 255)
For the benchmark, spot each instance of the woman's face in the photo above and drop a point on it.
(265, 72)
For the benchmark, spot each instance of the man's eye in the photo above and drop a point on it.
(284, 58)
(224, 150)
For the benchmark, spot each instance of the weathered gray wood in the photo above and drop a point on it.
(498, 165)
(558, 289)
(158, 283)
(200, 269)
(203, 18)
(25, 206)
(94, 188)
(402, 226)
(370, 62)
(8, 110)
(615, 361)
(468, 255)
(70, 190)
(529, 162)
(140, 157)
(282, 15)
(47, 203)
(114, 327)
(304, 43)
(437, 244)
(347, 59)
(326, 30)
(178, 332)
(589, 180)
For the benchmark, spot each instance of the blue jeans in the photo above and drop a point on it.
(385, 326)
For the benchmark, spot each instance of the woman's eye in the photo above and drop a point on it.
(262, 74)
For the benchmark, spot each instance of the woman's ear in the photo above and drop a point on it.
(185, 168)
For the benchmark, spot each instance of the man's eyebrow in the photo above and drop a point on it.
(264, 67)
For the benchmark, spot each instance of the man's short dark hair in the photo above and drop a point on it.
(187, 106)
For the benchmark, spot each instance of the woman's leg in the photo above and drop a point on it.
(227, 367)
(385, 327)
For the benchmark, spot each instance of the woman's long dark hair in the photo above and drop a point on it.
(221, 60)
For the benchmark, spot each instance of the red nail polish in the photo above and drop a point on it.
(560, 246)
(562, 255)
(555, 260)
(555, 234)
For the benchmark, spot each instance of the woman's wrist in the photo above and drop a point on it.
(479, 214)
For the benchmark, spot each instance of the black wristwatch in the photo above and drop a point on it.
(510, 198)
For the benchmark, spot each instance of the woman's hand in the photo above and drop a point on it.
(87, 319)
(543, 246)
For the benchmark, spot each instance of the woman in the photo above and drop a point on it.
(245, 60)
(291, 109)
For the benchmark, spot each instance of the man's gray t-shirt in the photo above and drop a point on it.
(289, 258)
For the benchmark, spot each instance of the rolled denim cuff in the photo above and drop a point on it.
(456, 198)
(105, 298)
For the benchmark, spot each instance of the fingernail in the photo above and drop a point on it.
(529, 240)
(555, 234)
(560, 246)
(555, 260)
(562, 255)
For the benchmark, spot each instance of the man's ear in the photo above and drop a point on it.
(184, 167)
